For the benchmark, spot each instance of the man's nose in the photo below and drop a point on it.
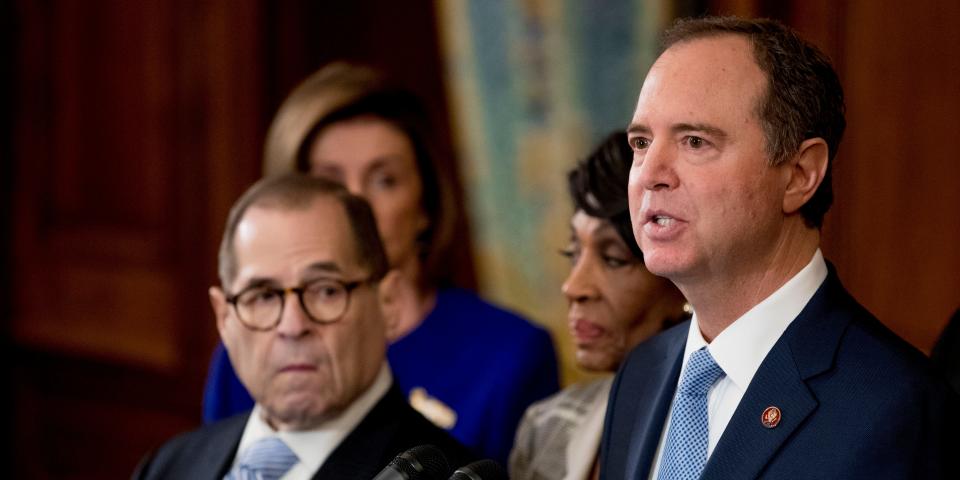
(655, 169)
(294, 322)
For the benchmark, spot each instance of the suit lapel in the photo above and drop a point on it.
(217, 456)
(361, 453)
(807, 348)
(746, 445)
(662, 373)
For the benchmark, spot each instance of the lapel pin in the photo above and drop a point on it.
(771, 417)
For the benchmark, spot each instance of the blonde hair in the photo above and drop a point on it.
(341, 91)
(327, 90)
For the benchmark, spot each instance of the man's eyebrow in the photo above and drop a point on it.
(258, 282)
(324, 267)
(267, 282)
(638, 128)
(699, 127)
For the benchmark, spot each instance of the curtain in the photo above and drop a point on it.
(534, 85)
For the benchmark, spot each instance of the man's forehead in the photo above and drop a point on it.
(288, 239)
(322, 219)
(723, 44)
(706, 71)
(715, 54)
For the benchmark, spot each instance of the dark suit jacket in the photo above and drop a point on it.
(391, 427)
(946, 352)
(856, 402)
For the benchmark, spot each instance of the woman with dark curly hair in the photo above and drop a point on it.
(615, 303)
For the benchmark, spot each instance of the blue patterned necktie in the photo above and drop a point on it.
(685, 452)
(267, 459)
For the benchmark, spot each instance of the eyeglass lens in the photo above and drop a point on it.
(324, 300)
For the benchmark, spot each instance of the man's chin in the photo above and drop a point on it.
(667, 264)
(664, 268)
(299, 412)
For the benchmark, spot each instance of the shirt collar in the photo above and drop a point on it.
(741, 347)
(313, 447)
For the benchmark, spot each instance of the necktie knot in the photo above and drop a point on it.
(701, 373)
(267, 459)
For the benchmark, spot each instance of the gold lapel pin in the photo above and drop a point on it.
(770, 417)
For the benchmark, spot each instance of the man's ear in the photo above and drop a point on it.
(805, 173)
(387, 294)
(220, 307)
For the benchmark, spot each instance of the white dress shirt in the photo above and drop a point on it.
(313, 447)
(741, 347)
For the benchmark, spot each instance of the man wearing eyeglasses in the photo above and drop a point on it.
(304, 309)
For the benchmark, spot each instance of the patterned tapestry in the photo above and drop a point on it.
(533, 86)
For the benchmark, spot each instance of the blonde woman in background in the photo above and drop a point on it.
(467, 365)
(615, 303)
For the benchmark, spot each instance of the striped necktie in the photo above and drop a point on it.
(267, 459)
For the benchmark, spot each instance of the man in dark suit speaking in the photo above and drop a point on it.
(304, 310)
(780, 374)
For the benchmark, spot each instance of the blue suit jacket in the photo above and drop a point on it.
(856, 402)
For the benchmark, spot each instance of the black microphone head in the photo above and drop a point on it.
(481, 470)
(424, 462)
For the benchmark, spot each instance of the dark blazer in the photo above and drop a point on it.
(391, 427)
(856, 402)
(946, 352)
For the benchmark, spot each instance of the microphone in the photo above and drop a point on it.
(482, 470)
(425, 462)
